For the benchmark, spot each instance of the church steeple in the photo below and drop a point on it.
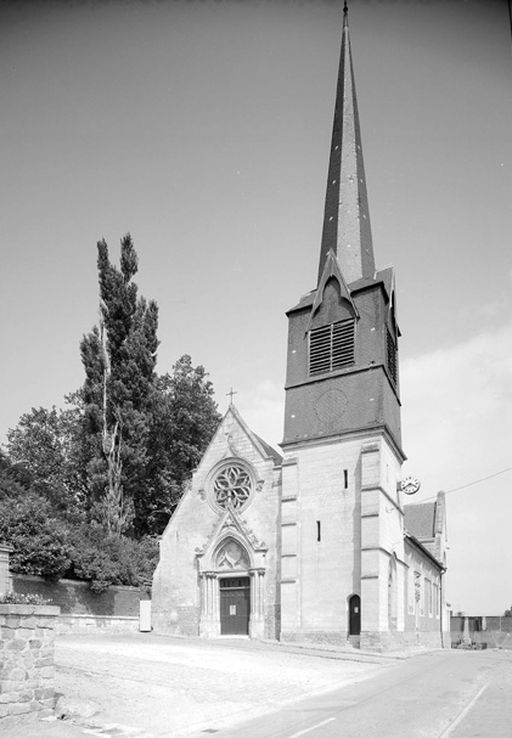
(342, 369)
(346, 228)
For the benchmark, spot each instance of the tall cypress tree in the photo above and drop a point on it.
(119, 358)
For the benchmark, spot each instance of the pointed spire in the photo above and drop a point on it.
(346, 228)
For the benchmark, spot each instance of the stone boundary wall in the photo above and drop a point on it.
(76, 598)
(484, 631)
(96, 624)
(27, 670)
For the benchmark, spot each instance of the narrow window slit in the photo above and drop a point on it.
(318, 531)
(345, 478)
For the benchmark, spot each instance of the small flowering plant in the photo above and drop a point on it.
(15, 598)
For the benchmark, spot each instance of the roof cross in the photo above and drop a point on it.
(230, 394)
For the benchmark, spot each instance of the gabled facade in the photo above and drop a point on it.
(220, 550)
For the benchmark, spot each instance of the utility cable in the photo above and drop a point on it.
(470, 484)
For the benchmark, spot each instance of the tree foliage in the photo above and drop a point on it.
(110, 559)
(184, 420)
(44, 448)
(85, 490)
(119, 359)
(39, 540)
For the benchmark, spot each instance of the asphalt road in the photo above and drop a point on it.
(461, 694)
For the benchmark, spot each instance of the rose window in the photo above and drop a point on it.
(232, 485)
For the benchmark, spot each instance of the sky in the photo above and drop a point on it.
(202, 127)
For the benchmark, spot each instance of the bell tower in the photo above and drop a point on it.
(342, 437)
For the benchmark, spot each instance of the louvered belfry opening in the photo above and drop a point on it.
(392, 361)
(331, 347)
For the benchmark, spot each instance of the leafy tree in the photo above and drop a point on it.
(43, 448)
(142, 434)
(40, 541)
(110, 559)
(84, 490)
(184, 420)
(14, 478)
(508, 612)
(119, 359)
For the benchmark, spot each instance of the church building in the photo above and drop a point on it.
(316, 545)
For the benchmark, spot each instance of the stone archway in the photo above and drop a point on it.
(232, 564)
(354, 615)
(232, 592)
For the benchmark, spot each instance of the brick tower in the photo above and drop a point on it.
(341, 515)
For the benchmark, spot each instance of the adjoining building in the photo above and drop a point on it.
(316, 545)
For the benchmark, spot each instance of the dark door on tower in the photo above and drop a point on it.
(235, 595)
(354, 615)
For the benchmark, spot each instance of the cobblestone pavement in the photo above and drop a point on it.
(170, 686)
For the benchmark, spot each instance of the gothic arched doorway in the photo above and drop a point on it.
(232, 563)
(354, 615)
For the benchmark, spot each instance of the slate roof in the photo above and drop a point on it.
(269, 450)
(383, 276)
(420, 519)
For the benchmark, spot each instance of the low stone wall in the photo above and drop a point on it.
(481, 631)
(77, 598)
(96, 624)
(27, 670)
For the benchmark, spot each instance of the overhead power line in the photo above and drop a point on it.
(470, 484)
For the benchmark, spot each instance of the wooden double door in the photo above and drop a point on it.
(235, 605)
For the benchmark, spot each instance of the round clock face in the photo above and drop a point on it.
(410, 485)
